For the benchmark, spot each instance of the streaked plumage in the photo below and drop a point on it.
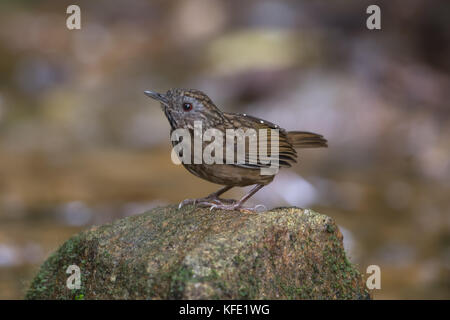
(202, 108)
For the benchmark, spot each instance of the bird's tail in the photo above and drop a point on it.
(302, 139)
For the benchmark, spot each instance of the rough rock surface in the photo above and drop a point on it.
(167, 253)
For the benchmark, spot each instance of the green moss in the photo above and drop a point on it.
(166, 253)
(179, 279)
(330, 228)
(79, 297)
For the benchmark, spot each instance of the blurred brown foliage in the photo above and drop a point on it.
(80, 144)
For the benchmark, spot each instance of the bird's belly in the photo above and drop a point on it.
(229, 175)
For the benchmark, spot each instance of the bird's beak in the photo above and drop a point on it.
(157, 96)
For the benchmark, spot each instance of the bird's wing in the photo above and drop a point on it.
(254, 159)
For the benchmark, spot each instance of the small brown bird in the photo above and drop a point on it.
(184, 106)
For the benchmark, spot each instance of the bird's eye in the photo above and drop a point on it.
(187, 106)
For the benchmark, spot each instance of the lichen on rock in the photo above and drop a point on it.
(193, 253)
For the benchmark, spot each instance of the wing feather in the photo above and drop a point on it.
(287, 154)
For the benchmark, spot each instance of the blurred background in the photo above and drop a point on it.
(81, 145)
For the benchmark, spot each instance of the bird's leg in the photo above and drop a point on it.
(213, 198)
(236, 205)
(215, 195)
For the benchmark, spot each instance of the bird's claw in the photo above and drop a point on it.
(207, 202)
(260, 206)
(221, 204)
(186, 202)
(254, 209)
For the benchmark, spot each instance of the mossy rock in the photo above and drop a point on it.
(192, 253)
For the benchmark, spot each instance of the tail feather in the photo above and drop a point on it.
(302, 139)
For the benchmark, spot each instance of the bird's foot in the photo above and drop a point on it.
(187, 202)
(217, 203)
(206, 202)
(222, 204)
(232, 205)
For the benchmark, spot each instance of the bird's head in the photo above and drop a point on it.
(184, 106)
